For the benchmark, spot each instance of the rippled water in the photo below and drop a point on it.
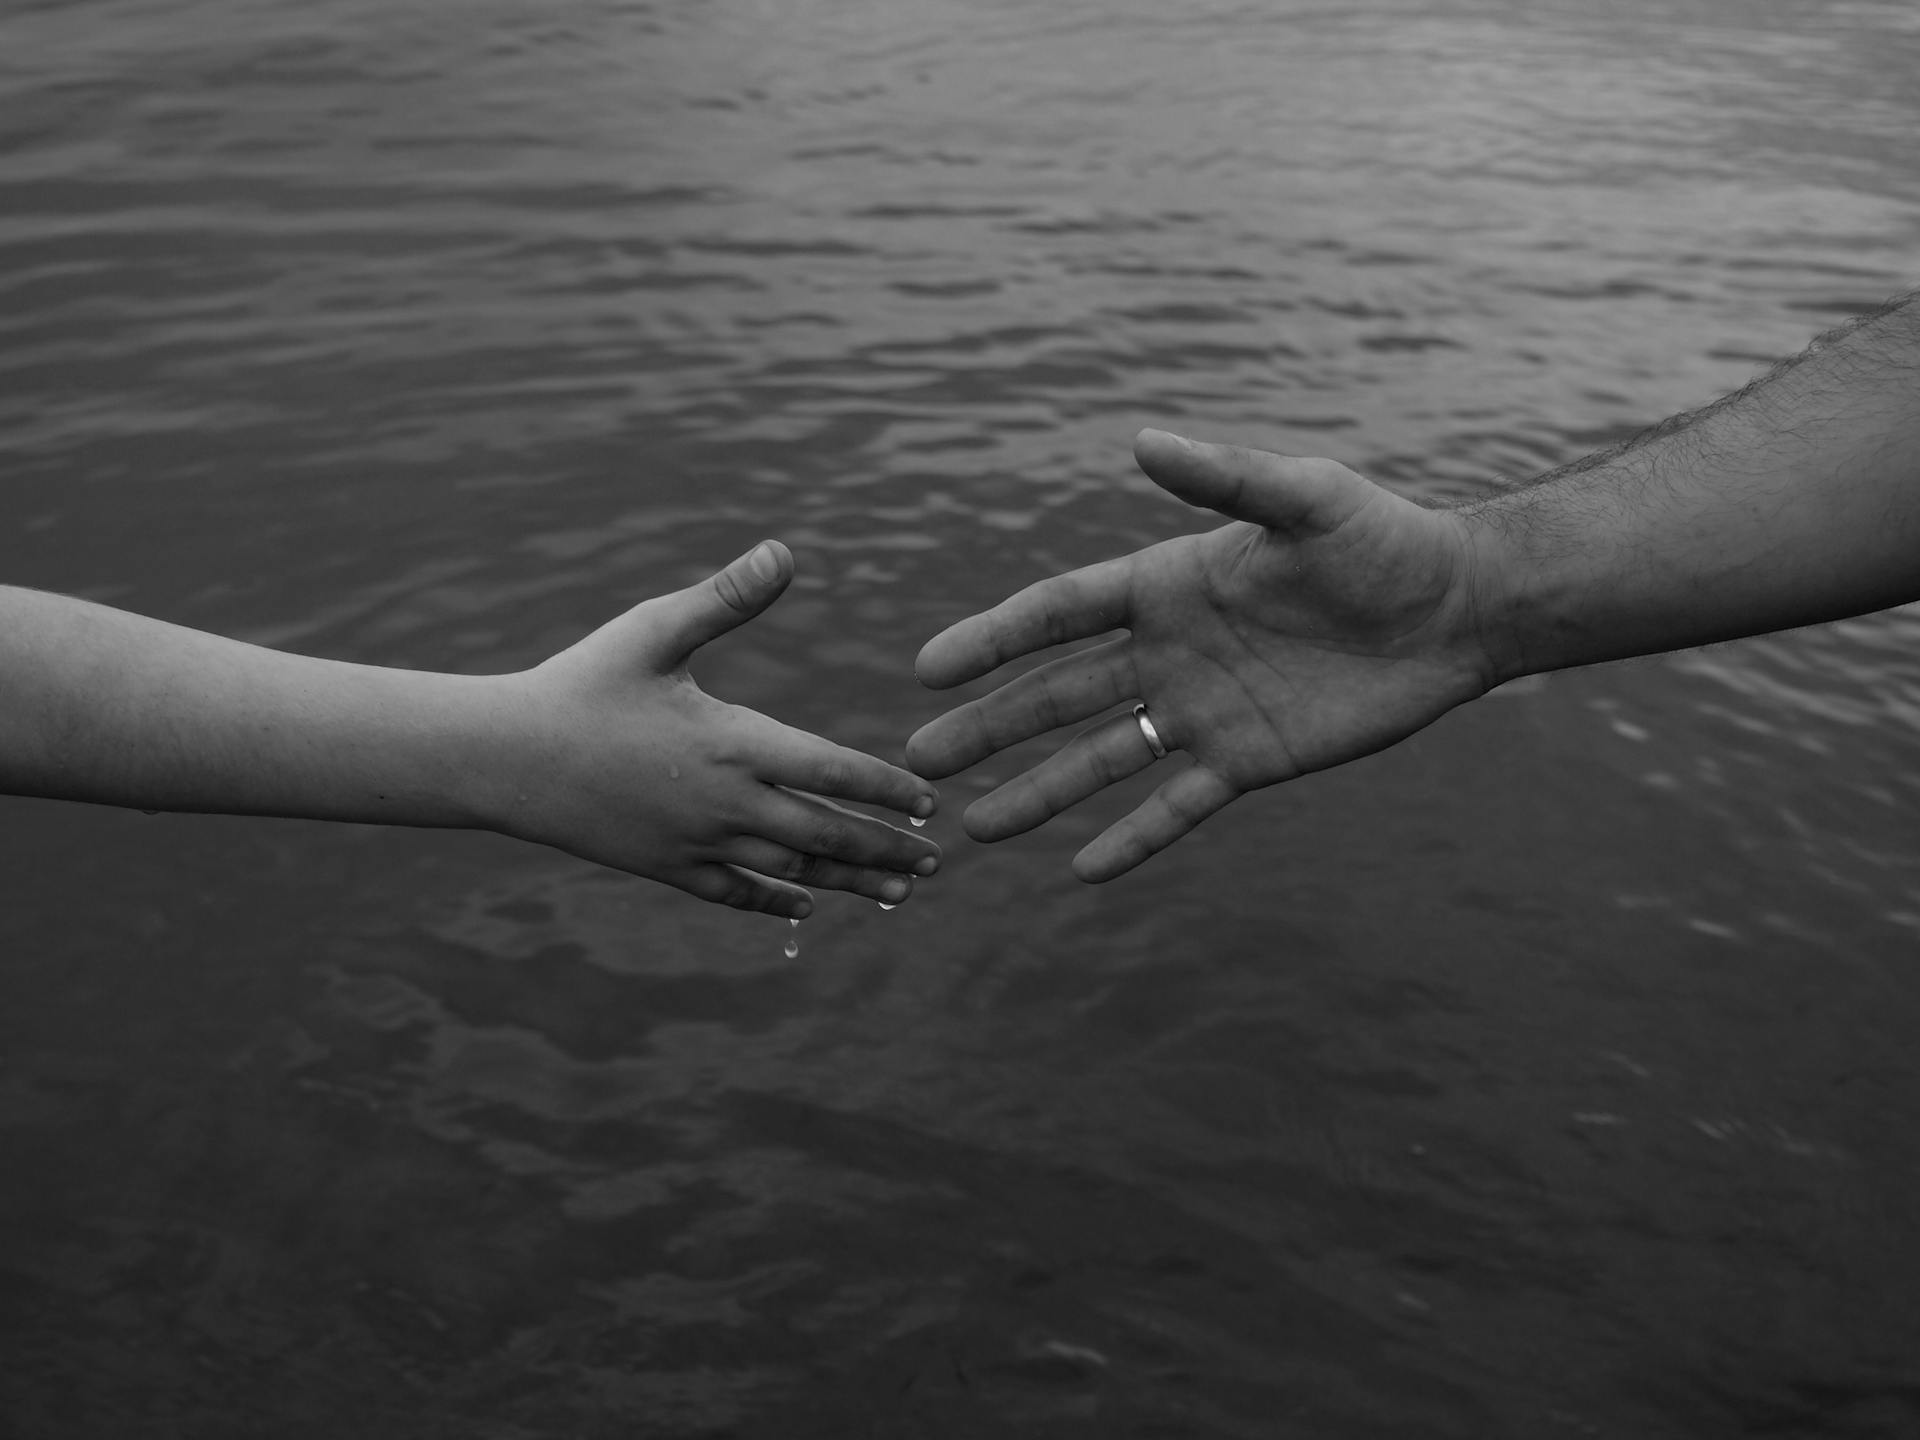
(1552, 1073)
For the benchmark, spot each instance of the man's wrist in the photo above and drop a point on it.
(1491, 594)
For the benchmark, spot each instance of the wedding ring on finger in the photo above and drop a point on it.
(1148, 733)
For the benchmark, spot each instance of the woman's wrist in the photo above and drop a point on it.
(494, 748)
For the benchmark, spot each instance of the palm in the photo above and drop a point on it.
(1328, 623)
(1280, 657)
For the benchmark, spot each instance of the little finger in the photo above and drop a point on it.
(817, 827)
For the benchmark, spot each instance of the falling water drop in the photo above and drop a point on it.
(793, 941)
(885, 906)
(916, 821)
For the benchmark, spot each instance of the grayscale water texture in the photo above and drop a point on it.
(1555, 1073)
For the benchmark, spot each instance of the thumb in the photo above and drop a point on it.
(1283, 492)
(727, 598)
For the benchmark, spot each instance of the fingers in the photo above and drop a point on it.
(815, 830)
(730, 597)
(1061, 692)
(1285, 492)
(806, 841)
(769, 859)
(1094, 759)
(1066, 607)
(1175, 808)
(744, 890)
(801, 761)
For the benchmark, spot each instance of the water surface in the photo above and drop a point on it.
(1551, 1073)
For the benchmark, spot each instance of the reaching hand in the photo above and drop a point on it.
(626, 761)
(1332, 620)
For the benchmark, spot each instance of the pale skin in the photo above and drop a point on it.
(1334, 617)
(608, 750)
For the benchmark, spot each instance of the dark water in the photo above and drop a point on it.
(1554, 1073)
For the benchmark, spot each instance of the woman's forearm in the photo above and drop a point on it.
(119, 709)
(1794, 501)
(607, 750)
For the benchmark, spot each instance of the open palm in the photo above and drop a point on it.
(1332, 619)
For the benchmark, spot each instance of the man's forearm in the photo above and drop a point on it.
(115, 708)
(1794, 501)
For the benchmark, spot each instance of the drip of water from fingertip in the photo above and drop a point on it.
(793, 940)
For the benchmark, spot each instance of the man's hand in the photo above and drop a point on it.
(623, 759)
(1333, 619)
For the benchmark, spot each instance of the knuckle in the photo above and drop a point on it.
(834, 837)
(743, 894)
(836, 774)
(1047, 709)
(757, 897)
(1005, 633)
(1182, 807)
(730, 750)
(721, 886)
(1101, 764)
(991, 729)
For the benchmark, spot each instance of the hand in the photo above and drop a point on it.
(1332, 620)
(624, 760)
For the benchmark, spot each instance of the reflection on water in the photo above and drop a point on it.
(1548, 1074)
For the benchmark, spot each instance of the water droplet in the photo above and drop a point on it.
(793, 939)
(916, 821)
(885, 906)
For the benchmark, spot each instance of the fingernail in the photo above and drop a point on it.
(895, 889)
(926, 865)
(764, 563)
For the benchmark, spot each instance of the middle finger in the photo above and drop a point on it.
(1063, 691)
(1097, 757)
(813, 826)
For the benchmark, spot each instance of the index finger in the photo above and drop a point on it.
(1065, 607)
(802, 761)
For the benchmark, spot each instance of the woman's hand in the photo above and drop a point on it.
(619, 757)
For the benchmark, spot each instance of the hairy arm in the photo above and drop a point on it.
(1335, 617)
(1793, 501)
(608, 750)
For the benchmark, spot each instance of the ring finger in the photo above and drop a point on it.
(769, 857)
(1097, 757)
(814, 826)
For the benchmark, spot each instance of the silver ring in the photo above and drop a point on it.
(1148, 733)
